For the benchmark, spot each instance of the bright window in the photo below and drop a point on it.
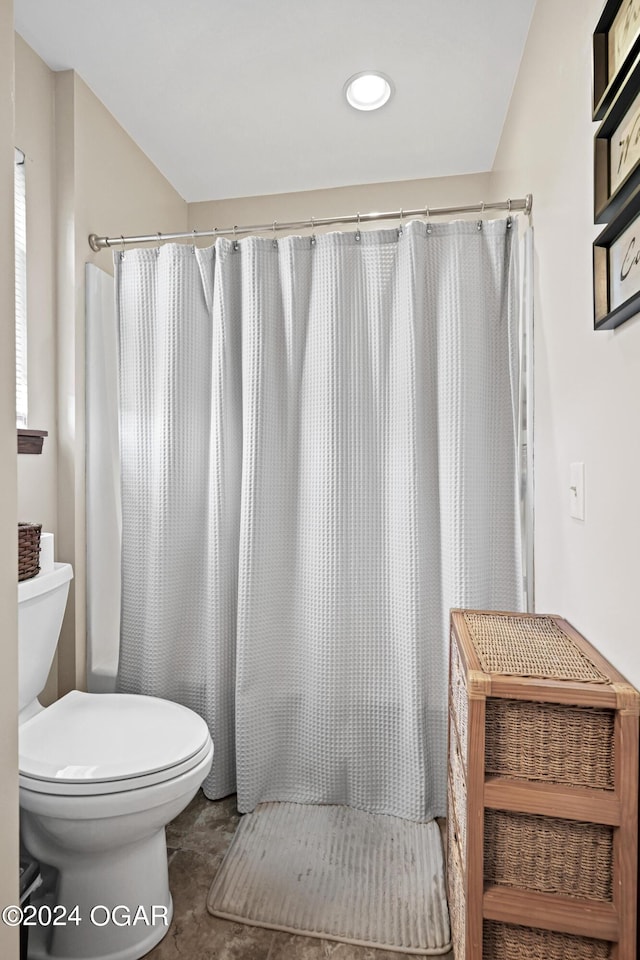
(21, 288)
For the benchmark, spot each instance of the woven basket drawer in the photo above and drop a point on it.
(459, 699)
(457, 906)
(503, 941)
(550, 742)
(458, 789)
(549, 855)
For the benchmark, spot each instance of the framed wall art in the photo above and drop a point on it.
(616, 43)
(617, 150)
(616, 268)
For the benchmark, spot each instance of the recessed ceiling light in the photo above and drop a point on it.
(367, 90)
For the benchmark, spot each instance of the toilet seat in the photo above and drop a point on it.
(90, 744)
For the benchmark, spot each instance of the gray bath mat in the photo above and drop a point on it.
(338, 873)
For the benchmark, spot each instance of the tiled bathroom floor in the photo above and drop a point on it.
(197, 841)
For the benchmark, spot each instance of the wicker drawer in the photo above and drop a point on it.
(549, 855)
(550, 742)
(458, 700)
(503, 941)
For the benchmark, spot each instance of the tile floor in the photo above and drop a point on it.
(197, 841)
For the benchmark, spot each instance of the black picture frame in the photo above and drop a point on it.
(607, 204)
(605, 89)
(606, 317)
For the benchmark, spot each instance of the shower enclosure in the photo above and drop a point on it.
(322, 447)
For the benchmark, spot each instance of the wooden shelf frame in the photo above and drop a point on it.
(614, 921)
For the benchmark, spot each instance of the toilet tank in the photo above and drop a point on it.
(41, 603)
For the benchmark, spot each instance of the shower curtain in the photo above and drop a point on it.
(319, 459)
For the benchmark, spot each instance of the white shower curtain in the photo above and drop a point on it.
(319, 456)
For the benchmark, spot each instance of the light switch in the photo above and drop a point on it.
(576, 491)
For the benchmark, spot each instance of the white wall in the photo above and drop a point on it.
(8, 508)
(587, 401)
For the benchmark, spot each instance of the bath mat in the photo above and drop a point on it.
(337, 873)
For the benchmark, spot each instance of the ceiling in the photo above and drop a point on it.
(234, 98)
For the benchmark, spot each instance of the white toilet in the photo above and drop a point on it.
(100, 777)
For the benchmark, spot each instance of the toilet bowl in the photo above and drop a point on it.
(100, 777)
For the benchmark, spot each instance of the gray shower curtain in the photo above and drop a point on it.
(319, 458)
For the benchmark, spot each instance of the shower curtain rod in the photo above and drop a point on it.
(100, 243)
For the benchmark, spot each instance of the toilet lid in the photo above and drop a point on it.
(100, 737)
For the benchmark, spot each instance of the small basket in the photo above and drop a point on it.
(28, 550)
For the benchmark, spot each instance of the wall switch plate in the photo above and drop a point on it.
(576, 491)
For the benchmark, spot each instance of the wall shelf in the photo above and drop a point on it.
(30, 441)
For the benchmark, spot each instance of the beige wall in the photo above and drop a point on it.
(37, 483)
(8, 508)
(84, 175)
(587, 384)
(106, 185)
(337, 201)
(37, 475)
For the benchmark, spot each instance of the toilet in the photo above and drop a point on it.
(101, 774)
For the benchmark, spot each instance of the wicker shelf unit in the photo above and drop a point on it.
(542, 793)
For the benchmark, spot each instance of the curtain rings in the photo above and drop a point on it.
(236, 245)
(313, 232)
(400, 226)
(358, 234)
(427, 214)
(123, 248)
(274, 242)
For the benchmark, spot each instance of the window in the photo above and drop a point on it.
(21, 288)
